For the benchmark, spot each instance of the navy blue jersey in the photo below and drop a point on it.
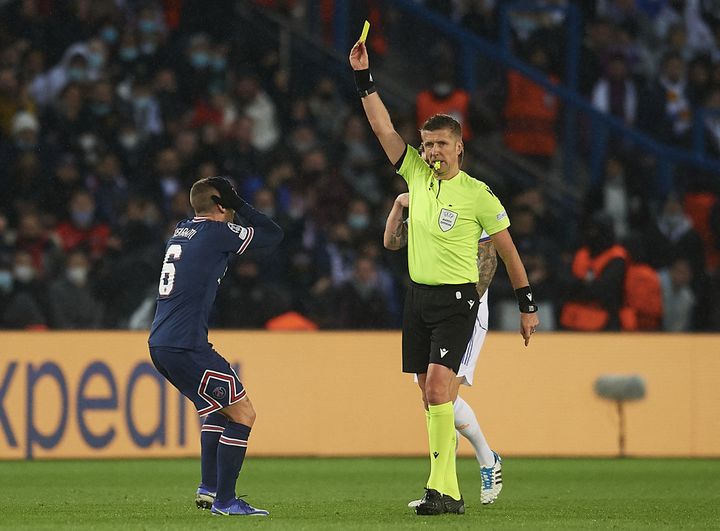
(196, 258)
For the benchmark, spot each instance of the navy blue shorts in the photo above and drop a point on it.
(204, 376)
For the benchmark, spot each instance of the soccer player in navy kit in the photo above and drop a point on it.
(196, 258)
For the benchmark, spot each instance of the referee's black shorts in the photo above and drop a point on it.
(437, 324)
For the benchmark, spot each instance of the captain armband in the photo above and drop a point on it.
(526, 303)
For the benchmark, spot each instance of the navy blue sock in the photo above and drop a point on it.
(210, 434)
(230, 457)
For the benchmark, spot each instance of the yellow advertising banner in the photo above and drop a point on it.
(97, 395)
(88, 394)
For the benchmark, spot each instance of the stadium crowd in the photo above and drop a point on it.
(110, 110)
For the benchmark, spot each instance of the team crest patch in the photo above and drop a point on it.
(447, 219)
(219, 393)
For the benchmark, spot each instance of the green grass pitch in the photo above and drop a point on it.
(363, 494)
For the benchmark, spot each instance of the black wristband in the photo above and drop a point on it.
(364, 82)
(525, 300)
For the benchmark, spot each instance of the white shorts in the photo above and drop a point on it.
(472, 352)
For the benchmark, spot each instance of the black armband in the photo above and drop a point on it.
(364, 82)
(526, 303)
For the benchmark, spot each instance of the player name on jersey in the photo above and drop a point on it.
(184, 232)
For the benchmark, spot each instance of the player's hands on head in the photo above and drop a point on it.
(228, 197)
(359, 56)
(403, 200)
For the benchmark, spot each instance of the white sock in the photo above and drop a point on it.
(466, 423)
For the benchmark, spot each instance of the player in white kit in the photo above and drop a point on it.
(394, 238)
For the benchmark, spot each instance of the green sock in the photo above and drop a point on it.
(427, 425)
(441, 432)
(451, 482)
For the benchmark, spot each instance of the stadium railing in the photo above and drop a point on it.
(586, 130)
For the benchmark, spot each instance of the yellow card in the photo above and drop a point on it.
(365, 30)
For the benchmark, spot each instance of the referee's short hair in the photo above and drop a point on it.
(442, 121)
(201, 196)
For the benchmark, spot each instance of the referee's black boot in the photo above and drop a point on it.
(453, 506)
(432, 503)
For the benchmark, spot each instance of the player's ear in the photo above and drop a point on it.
(459, 147)
(216, 200)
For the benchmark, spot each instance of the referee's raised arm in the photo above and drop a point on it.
(375, 110)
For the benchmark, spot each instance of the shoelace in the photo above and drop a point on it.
(486, 474)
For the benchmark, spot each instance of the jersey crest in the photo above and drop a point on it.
(447, 219)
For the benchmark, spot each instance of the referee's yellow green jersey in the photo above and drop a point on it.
(447, 218)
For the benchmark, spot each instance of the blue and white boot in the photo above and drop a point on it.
(491, 477)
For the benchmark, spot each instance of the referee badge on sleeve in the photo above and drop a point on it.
(447, 219)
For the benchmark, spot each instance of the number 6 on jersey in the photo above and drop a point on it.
(167, 275)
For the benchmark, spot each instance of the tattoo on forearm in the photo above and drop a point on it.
(399, 236)
(487, 264)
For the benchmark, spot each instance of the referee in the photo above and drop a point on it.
(448, 212)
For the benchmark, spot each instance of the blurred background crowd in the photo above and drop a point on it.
(111, 109)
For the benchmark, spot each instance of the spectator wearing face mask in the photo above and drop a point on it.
(81, 63)
(103, 111)
(128, 54)
(26, 306)
(130, 149)
(33, 239)
(443, 97)
(151, 34)
(195, 69)
(72, 303)
(21, 159)
(359, 218)
(82, 229)
(145, 109)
